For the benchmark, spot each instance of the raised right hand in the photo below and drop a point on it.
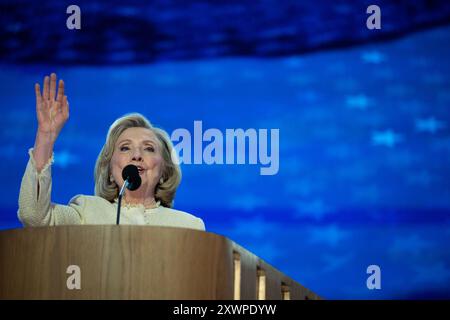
(52, 109)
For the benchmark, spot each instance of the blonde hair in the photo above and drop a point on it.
(171, 173)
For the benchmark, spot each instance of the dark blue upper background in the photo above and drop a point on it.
(363, 115)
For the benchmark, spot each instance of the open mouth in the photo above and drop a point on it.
(140, 170)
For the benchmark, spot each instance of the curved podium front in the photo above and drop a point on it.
(135, 262)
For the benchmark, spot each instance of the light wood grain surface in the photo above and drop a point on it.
(132, 262)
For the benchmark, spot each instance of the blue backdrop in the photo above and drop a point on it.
(363, 117)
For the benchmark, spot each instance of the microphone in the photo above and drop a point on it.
(130, 174)
(132, 181)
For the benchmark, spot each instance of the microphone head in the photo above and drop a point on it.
(131, 173)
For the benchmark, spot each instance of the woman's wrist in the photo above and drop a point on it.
(45, 137)
(43, 148)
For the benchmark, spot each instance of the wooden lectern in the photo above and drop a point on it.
(135, 262)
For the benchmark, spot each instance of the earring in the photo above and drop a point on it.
(111, 179)
(161, 180)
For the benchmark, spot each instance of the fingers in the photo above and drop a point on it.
(49, 92)
(52, 86)
(37, 90)
(60, 92)
(46, 92)
(65, 108)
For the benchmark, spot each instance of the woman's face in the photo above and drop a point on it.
(140, 147)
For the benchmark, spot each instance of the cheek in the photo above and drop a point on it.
(116, 163)
(119, 158)
(155, 164)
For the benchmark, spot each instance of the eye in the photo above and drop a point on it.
(151, 149)
(124, 148)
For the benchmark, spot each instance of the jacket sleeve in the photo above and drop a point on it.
(35, 206)
(200, 225)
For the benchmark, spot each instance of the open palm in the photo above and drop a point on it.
(52, 108)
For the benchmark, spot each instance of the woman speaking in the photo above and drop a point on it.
(131, 140)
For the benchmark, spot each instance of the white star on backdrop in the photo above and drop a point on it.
(256, 227)
(331, 235)
(316, 209)
(65, 158)
(430, 125)
(386, 138)
(374, 57)
(357, 102)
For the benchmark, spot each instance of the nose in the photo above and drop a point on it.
(137, 155)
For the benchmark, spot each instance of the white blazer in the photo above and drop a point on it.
(38, 210)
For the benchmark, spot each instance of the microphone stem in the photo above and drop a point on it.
(122, 191)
